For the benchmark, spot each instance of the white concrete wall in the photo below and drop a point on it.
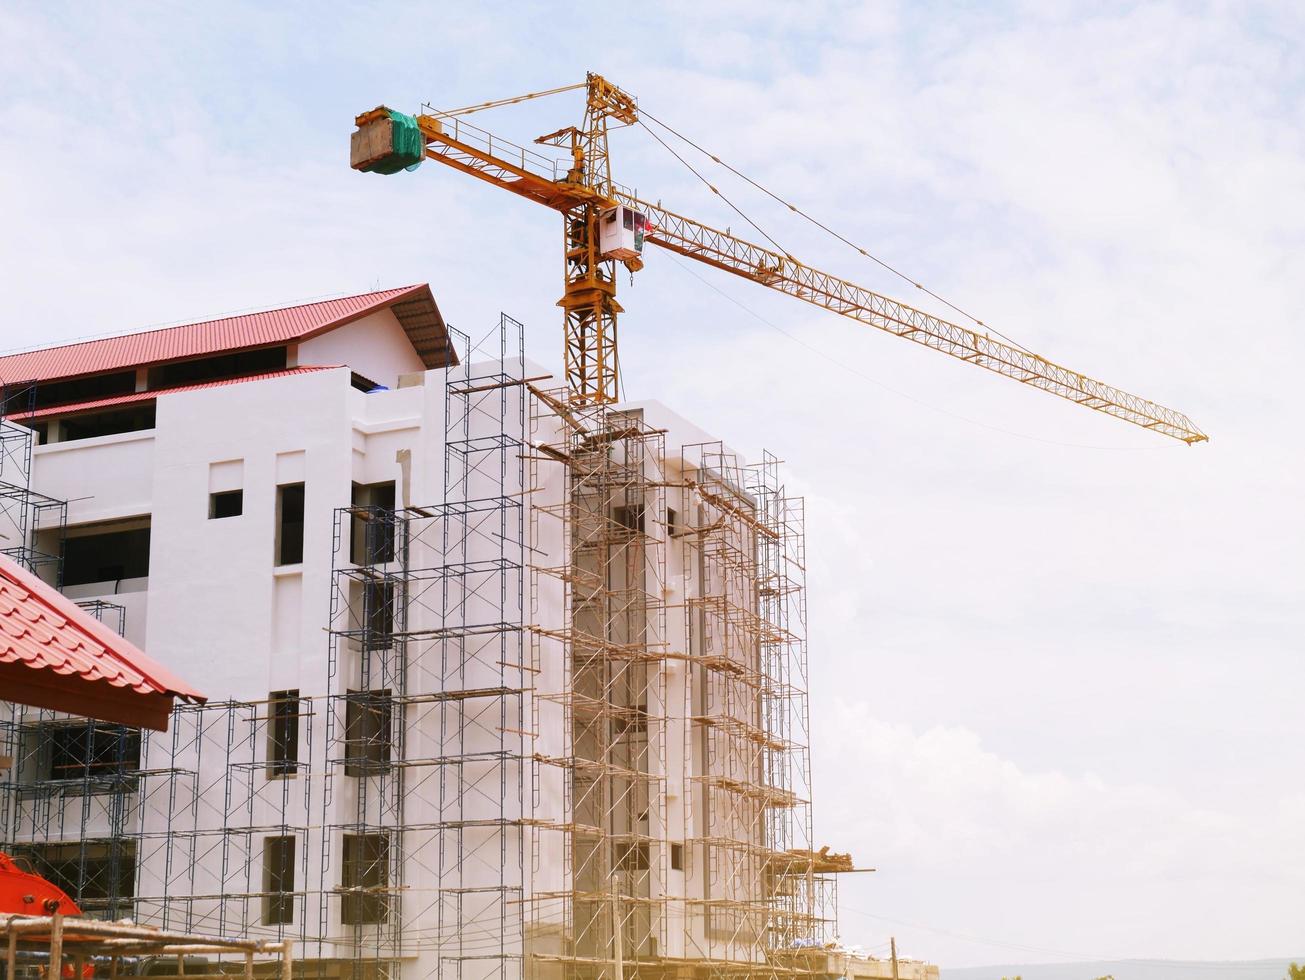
(679, 430)
(221, 612)
(131, 594)
(104, 478)
(375, 346)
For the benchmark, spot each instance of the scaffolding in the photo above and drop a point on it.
(685, 788)
(610, 696)
(428, 697)
(27, 518)
(765, 897)
(561, 729)
(59, 945)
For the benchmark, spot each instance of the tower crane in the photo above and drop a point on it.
(604, 223)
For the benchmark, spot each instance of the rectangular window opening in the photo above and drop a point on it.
(629, 517)
(278, 880)
(104, 757)
(677, 857)
(227, 503)
(99, 875)
(374, 524)
(365, 872)
(378, 615)
(283, 733)
(290, 524)
(367, 732)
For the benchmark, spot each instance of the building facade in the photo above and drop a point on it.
(501, 685)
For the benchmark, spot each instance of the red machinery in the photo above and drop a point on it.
(24, 892)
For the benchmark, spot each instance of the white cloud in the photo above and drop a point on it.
(971, 843)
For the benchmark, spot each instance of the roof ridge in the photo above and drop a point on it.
(252, 311)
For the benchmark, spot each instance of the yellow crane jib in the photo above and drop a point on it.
(603, 223)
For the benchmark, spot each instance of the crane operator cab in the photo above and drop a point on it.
(620, 233)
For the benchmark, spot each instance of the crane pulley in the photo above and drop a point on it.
(605, 223)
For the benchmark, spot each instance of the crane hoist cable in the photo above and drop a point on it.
(645, 114)
(712, 187)
(481, 106)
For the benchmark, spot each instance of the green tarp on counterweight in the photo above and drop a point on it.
(407, 146)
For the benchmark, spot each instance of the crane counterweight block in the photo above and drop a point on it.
(386, 142)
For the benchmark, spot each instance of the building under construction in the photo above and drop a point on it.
(504, 683)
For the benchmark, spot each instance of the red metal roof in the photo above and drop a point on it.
(146, 396)
(54, 654)
(413, 306)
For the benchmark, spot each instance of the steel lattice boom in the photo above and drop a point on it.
(725, 251)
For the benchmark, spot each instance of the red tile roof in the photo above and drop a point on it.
(53, 654)
(145, 396)
(413, 306)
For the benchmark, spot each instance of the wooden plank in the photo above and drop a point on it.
(371, 142)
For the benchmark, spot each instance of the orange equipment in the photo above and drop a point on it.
(27, 893)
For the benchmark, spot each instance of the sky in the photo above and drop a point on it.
(1056, 660)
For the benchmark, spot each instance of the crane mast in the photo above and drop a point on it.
(586, 195)
(589, 305)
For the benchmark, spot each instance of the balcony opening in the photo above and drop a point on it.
(88, 425)
(108, 553)
(20, 398)
(217, 368)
